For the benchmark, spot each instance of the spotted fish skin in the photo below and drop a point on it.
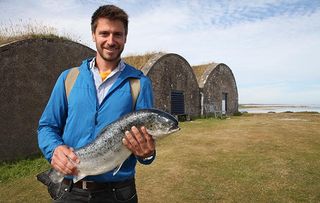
(106, 152)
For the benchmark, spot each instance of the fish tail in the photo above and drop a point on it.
(44, 178)
(53, 180)
(49, 176)
(56, 176)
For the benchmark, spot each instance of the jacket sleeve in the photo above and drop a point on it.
(145, 101)
(53, 119)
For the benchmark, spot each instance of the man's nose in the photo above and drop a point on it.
(111, 40)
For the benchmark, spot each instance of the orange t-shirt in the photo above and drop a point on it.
(104, 75)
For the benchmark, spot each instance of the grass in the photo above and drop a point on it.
(249, 158)
(10, 171)
(139, 61)
(29, 30)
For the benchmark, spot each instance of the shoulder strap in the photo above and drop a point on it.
(74, 72)
(135, 90)
(70, 80)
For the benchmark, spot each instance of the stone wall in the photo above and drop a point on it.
(216, 80)
(29, 69)
(171, 72)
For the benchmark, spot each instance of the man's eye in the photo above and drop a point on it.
(118, 34)
(104, 34)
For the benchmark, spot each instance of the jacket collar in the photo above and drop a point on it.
(128, 72)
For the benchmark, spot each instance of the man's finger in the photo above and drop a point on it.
(132, 143)
(133, 137)
(148, 138)
(71, 155)
(139, 137)
(126, 141)
(60, 166)
(62, 161)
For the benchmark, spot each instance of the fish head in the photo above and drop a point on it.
(161, 124)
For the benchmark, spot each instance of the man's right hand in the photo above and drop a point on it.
(64, 160)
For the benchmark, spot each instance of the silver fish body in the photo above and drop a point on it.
(107, 152)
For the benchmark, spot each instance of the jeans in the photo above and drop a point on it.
(124, 194)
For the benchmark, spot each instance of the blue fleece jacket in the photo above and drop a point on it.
(79, 120)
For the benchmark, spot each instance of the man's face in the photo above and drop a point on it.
(110, 38)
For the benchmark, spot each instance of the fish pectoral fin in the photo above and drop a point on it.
(77, 178)
(115, 171)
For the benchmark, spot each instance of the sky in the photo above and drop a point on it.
(271, 46)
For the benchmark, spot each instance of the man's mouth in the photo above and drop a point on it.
(111, 49)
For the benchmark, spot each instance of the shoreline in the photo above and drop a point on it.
(278, 108)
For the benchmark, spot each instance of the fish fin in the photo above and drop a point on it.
(44, 178)
(77, 178)
(54, 188)
(50, 176)
(116, 170)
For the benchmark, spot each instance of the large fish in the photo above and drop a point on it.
(106, 152)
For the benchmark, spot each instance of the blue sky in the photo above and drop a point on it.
(272, 46)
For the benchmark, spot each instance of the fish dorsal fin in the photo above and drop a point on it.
(115, 171)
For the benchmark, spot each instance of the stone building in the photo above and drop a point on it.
(218, 89)
(174, 84)
(29, 69)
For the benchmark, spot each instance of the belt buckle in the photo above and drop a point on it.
(84, 185)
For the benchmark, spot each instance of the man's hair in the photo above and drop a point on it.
(110, 12)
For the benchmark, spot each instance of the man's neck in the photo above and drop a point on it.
(106, 66)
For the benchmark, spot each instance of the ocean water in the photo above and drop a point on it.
(277, 108)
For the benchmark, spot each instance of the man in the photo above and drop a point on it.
(101, 94)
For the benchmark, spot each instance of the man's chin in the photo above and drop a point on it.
(111, 57)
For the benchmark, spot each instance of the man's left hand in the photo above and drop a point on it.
(139, 142)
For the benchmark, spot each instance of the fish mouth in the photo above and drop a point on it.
(174, 129)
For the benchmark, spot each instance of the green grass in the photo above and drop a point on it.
(15, 170)
(18, 182)
(251, 158)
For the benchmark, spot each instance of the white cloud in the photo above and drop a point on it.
(265, 43)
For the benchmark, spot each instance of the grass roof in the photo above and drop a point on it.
(28, 30)
(138, 61)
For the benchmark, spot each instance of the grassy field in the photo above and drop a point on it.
(252, 158)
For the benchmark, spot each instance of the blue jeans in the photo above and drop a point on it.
(123, 194)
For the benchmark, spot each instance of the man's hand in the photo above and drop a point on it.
(64, 160)
(140, 143)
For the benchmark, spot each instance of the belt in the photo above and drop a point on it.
(90, 185)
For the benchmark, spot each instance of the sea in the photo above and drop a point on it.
(277, 108)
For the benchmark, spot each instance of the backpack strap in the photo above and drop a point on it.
(135, 90)
(70, 80)
(73, 75)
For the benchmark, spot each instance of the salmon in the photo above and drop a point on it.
(107, 152)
